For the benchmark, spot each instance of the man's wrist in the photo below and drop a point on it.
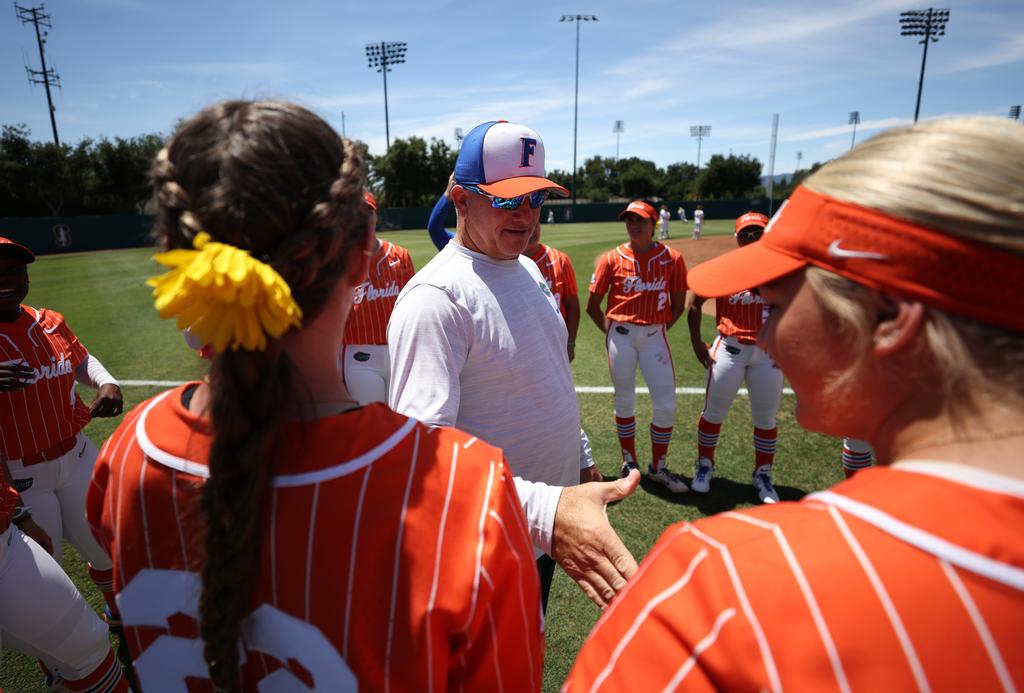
(571, 344)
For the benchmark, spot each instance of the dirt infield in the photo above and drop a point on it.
(696, 252)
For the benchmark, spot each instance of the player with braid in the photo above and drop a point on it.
(269, 532)
(42, 417)
(645, 282)
(365, 365)
(895, 279)
(732, 358)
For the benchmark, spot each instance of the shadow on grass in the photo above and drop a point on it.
(725, 494)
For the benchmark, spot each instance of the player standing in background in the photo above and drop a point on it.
(365, 366)
(886, 321)
(732, 358)
(645, 282)
(681, 213)
(344, 547)
(698, 222)
(42, 416)
(664, 216)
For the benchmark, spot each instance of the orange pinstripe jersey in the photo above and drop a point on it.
(862, 587)
(49, 410)
(558, 273)
(393, 555)
(639, 288)
(740, 315)
(390, 269)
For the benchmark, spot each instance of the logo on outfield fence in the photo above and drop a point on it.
(62, 235)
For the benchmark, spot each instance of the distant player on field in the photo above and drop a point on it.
(664, 217)
(365, 365)
(269, 532)
(645, 283)
(698, 222)
(888, 324)
(733, 358)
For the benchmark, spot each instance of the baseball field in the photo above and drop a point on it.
(105, 300)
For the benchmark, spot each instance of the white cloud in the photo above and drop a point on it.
(1009, 50)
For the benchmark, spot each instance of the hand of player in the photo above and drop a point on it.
(591, 473)
(108, 401)
(584, 543)
(15, 376)
(572, 353)
(37, 534)
(700, 350)
(451, 184)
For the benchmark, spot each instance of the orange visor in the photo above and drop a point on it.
(877, 250)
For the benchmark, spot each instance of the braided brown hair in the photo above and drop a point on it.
(274, 179)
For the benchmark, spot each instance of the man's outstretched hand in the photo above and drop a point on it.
(584, 543)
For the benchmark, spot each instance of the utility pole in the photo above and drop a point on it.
(771, 164)
(381, 56)
(45, 76)
(700, 132)
(578, 18)
(854, 121)
(931, 24)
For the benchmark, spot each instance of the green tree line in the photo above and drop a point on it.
(101, 176)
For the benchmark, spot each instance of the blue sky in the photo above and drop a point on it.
(135, 66)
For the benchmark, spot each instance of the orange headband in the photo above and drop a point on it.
(964, 277)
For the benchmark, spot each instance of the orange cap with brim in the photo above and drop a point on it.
(877, 250)
(751, 219)
(17, 250)
(640, 208)
(371, 201)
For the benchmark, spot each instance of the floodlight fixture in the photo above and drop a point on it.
(854, 121)
(458, 138)
(381, 56)
(930, 24)
(700, 132)
(578, 19)
(1015, 112)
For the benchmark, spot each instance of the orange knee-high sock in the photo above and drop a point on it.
(707, 438)
(107, 677)
(104, 579)
(853, 461)
(660, 438)
(626, 428)
(764, 445)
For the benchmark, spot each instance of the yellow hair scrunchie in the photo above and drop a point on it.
(225, 296)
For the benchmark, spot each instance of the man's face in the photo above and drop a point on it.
(502, 234)
(13, 282)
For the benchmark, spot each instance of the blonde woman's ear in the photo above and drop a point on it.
(899, 324)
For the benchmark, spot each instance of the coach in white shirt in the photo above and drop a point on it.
(476, 341)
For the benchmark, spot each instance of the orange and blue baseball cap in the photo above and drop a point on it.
(16, 250)
(505, 160)
(750, 219)
(640, 208)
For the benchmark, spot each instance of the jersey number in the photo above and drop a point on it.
(662, 300)
(153, 597)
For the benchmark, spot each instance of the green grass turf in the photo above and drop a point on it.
(104, 297)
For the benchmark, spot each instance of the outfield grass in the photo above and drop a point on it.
(105, 300)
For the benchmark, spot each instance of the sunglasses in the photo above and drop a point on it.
(536, 198)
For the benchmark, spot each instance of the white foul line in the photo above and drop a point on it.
(580, 389)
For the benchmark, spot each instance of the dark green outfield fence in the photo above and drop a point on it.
(51, 235)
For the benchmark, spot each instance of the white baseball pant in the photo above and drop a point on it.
(630, 345)
(734, 363)
(366, 369)
(57, 498)
(42, 613)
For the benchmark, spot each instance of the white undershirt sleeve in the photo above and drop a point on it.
(92, 373)
(428, 345)
(539, 503)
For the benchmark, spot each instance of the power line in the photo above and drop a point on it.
(45, 76)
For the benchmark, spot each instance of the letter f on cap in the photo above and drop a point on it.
(529, 148)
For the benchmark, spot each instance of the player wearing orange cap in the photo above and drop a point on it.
(268, 532)
(645, 282)
(732, 358)
(365, 365)
(910, 575)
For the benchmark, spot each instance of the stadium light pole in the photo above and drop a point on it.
(854, 121)
(618, 129)
(382, 56)
(1015, 112)
(931, 24)
(458, 138)
(578, 18)
(700, 132)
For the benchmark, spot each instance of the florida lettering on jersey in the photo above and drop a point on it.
(862, 587)
(740, 315)
(558, 272)
(49, 409)
(394, 556)
(639, 287)
(390, 269)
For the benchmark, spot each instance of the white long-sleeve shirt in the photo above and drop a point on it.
(479, 343)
